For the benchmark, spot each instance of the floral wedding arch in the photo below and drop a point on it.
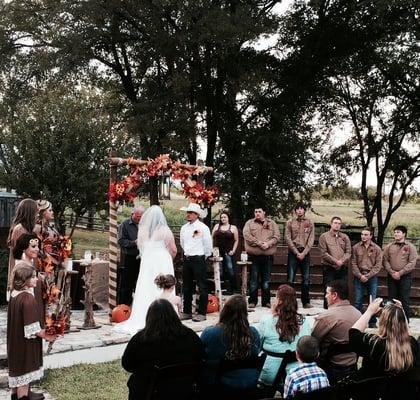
(126, 190)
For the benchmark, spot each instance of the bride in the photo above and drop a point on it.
(157, 248)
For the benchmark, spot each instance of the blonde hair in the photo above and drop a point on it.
(393, 328)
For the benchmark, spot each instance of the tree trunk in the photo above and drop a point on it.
(154, 190)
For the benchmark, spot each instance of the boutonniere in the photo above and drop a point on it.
(406, 248)
(306, 225)
(370, 253)
(197, 233)
(265, 225)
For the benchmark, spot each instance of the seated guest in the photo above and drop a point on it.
(163, 341)
(280, 331)
(392, 350)
(332, 328)
(231, 339)
(389, 353)
(307, 377)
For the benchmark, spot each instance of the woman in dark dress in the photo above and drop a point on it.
(226, 238)
(24, 333)
(163, 341)
(389, 353)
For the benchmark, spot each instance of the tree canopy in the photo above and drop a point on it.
(177, 72)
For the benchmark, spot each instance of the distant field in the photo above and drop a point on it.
(352, 214)
(322, 211)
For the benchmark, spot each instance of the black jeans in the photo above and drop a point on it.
(330, 274)
(195, 268)
(128, 275)
(400, 290)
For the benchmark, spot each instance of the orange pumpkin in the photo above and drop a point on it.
(213, 304)
(120, 313)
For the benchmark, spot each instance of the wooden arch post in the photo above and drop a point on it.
(113, 241)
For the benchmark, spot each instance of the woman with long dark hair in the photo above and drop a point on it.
(280, 331)
(226, 238)
(231, 339)
(23, 222)
(163, 341)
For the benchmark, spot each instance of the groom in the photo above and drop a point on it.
(196, 243)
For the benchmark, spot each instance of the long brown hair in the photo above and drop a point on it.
(26, 214)
(393, 327)
(289, 321)
(236, 331)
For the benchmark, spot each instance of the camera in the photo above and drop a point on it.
(387, 303)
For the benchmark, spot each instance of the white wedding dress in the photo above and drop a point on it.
(155, 260)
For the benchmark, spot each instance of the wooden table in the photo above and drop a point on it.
(244, 275)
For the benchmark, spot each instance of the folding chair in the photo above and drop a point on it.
(175, 381)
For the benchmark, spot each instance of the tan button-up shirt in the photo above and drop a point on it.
(366, 261)
(255, 233)
(300, 233)
(332, 326)
(401, 257)
(334, 247)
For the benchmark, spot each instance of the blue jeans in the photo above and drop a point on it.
(227, 267)
(400, 290)
(292, 265)
(371, 286)
(260, 268)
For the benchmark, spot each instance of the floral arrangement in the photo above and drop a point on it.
(126, 189)
(54, 251)
(196, 193)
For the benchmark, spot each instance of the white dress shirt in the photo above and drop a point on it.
(196, 239)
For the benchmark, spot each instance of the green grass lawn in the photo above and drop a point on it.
(105, 381)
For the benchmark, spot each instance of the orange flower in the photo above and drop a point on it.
(53, 294)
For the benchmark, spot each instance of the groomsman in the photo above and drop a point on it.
(196, 242)
(366, 262)
(400, 257)
(261, 235)
(335, 252)
(300, 239)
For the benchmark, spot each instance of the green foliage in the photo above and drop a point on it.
(56, 146)
(104, 381)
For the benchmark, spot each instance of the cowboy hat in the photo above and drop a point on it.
(195, 208)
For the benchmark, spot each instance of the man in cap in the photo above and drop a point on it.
(196, 243)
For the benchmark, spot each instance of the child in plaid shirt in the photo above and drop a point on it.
(307, 377)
